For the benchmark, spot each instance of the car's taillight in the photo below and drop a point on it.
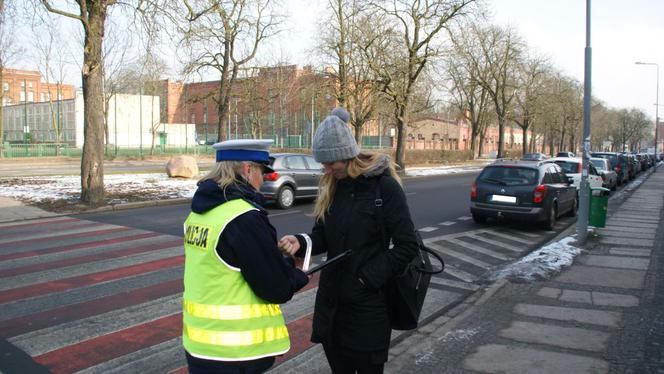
(473, 191)
(271, 176)
(618, 169)
(579, 168)
(540, 192)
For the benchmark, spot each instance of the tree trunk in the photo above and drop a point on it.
(501, 136)
(401, 146)
(92, 160)
(524, 136)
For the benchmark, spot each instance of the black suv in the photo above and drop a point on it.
(522, 190)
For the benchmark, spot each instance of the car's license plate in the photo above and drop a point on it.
(504, 199)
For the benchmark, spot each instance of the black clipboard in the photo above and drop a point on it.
(328, 262)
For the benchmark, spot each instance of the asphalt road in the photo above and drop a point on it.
(438, 205)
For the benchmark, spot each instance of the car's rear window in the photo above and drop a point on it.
(569, 167)
(509, 175)
(599, 164)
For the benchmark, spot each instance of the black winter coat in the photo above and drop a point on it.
(350, 309)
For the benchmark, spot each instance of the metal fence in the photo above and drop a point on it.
(15, 150)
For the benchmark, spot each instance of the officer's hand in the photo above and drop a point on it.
(289, 245)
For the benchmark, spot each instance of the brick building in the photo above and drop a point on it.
(19, 86)
(271, 102)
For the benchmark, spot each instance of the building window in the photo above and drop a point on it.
(435, 136)
(31, 96)
(42, 97)
(30, 85)
(22, 84)
(420, 137)
(21, 96)
(5, 86)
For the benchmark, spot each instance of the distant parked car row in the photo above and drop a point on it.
(538, 188)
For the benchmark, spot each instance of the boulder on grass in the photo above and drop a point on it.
(182, 166)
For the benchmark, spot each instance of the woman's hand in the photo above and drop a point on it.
(289, 245)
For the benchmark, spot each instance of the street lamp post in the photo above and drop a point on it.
(656, 106)
(584, 188)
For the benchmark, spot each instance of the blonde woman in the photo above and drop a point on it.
(350, 315)
(235, 276)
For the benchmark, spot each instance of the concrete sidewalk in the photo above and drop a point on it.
(14, 210)
(603, 314)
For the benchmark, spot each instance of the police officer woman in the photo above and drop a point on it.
(235, 276)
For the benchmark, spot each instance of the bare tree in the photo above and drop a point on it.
(501, 51)
(224, 36)
(92, 16)
(530, 80)
(463, 79)
(399, 49)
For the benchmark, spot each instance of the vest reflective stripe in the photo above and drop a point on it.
(223, 319)
(228, 312)
(236, 338)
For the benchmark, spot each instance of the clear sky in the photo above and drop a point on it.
(622, 32)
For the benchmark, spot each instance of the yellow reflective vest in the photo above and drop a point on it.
(223, 319)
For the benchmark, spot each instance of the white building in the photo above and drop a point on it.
(133, 121)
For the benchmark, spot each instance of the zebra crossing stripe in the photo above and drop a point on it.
(460, 256)
(513, 237)
(454, 284)
(495, 243)
(460, 274)
(478, 249)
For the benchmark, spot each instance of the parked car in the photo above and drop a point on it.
(572, 166)
(534, 157)
(565, 154)
(609, 176)
(295, 176)
(522, 190)
(619, 163)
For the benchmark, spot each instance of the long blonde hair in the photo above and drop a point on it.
(224, 173)
(359, 165)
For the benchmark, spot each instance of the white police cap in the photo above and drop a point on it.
(256, 150)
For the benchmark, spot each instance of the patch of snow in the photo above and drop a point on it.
(69, 187)
(540, 264)
(441, 170)
(458, 335)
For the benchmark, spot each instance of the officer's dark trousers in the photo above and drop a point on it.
(198, 366)
(344, 361)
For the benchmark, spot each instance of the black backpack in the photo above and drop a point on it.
(407, 291)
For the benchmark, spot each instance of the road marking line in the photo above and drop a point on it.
(496, 243)
(460, 256)
(454, 284)
(428, 229)
(514, 232)
(460, 274)
(284, 213)
(447, 223)
(478, 249)
(464, 218)
(410, 193)
(512, 237)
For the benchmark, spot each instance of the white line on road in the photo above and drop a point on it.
(285, 213)
(454, 284)
(460, 274)
(447, 223)
(459, 256)
(428, 229)
(495, 242)
(478, 249)
(464, 218)
(514, 237)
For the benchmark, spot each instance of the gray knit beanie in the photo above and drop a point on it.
(333, 140)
